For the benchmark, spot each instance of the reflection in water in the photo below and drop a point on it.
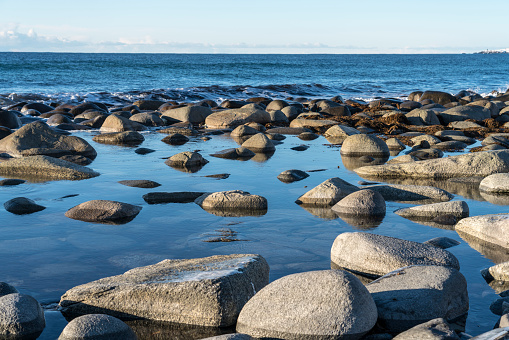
(492, 251)
(352, 163)
(500, 199)
(157, 330)
(322, 212)
(188, 169)
(362, 222)
(224, 212)
(262, 157)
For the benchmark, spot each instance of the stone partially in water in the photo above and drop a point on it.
(411, 193)
(363, 202)
(293, 175)
(97, 326)
(328, 304)
(207, 291)
(499, 272)
(140, 183)
(21, 317)
(22, 206)
(488, 228)
(436, 329)
(235, 202)
(187, 161)
(361, 144)
(496, 183)
(175, 139)
(327, 193)
(120, 138)
(6, 288)
(259, 143)
(103, 211)
(458, 209)
(171, 197)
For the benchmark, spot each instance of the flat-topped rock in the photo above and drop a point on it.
(328, 304)
(459, 209)
(375, 255)
(125, 137)
(172, 197)
(341, 131)
(45, 168)
(186, 159)
(327, 193)
(232, 200)
(194, 114)
(235, 117)
(208, 291)
(140, 183)
(411, 193)
(493, 228)
(311, 123)
(103, 211)
(467, 165)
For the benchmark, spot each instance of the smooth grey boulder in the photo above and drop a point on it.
(116, 123)
(394, 144)
(277, 104)
(9, 119)
(244, 130)
(460, 113)
(193, 114)
(496, 183)
(235, 117)
(327, 193)
(148, 104)
(171, 197)
(186, 159)
(363, 202)
(140, 183)
(328, 304)
(103, 211)
(375, 255)
(232, 200)
(22, 206)
(208, 291)
(119, 138)
(341, 131)
(97, 327)
(413, 295)
(361, 144)
(39, 139)
(499, 272)
(45, 168)
(278, 117)
(259, 143)
(21, 317)
(234, 153)
(411, 193)
(288, 130)
(438, 97)
(496, 334)
(467, 165)
(6, 288)
(41, 107)
(436, 329)
(147, 119)
(431, 140)
(492, 229)
(293, 175)
(458, 209)
(183, 130)
(422, 117)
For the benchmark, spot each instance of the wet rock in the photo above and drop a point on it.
(6, 288)
(120, 138)
(499, 272)
(151, 105)
(237, 153)
(403, 159)
(232, 200)
(424, 154)
(288, 130)
(259, 143)
(175, 139)
(115, 123)
(329, 304)
(327, 193)
(207, 291)
(363, 202)
(10, 182)
(186, 131)
(395, 144)
(186, 159)
(301, 147)
(411, 193)
(97, 327)
(458, 209)
(142, 183)
(235, 117)
(172, 197)
(461, 113)
(192, 114)
(422, 117)
(9, 119)
(466, 165)
(361, 144)
(293, 175)
(22, 206)
(436, 329)
(147, 119)
(45, 167)
(487, 228)
(374, 255)
(21, 317)
(103, 211)
(311, 123)
(496, 183)
(450, 146)
(87, 106)
(308, 136)
(341, 131)
(275, 136)
(42, 108)
(39, 139)
(244, 130)
(437, 97)
(58, 118)
(413, 295)
(442, 242)
(500, 306)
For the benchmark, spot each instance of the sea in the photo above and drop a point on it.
(45, 253)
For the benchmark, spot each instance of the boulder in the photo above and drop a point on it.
(191, 114)
(234, 336)
(288, 130)
(172, 197)
(6, 288)
(436, 329)
(103, 211)
(339, 111)
(58, 119)
(430, 140)
(39, 139)
(147, 119)
(363, 202)
(21, 317)
(340, 131)
(175, 139)
(259, 143)
(9, 119)
(496, 334)
(442, 242)
(186, 131)
(496, 183)
(231, 201)
(150, 105)
(244, 130)
(437, 97)
(187, 160)
(466, 165)
(277, 105)
(493, 229)
(361, 144)
(208, 291)
(140, 183)
(45, 168)
(97, 327)
(411, 193)
(234, 153)
(395, 144)
(450, 146)
(293, 175)
(413, 295)
(375, 255)
(278, 117)
(328, 304)
(499, 272)
(327, 193)
(235, 117)
(460, 113)
(459, 209)
(115, 123)
(120, 138)
(422, 117)
(22, 206)
(88, 106)
(312, 123)
(291, 112)
(42, 108)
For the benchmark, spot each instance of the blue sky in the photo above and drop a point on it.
(240, 26)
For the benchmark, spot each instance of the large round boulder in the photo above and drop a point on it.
(496, 183)
(235, 117)
(493, 228)
(21, 317)
(460, 113)
(9, 119)
(361, 144)
(437, 97)
(363, 202)
(259, 143)
(329, 304)
(120, 138)
(231, 201)
(103, 211)
(22, 206)
(147, 119)
(192, 114)
(327, 193)
(97, 327)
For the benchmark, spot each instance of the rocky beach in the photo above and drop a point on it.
(260, 217)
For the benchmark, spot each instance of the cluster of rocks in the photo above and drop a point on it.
(418, 291)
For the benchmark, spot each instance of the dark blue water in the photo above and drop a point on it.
(113, 77)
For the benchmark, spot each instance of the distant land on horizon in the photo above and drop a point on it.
(506, 50)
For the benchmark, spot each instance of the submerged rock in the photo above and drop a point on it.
(103, 211)
(172, 197)
(187, 160)
(140, 183)
(329, 304)
(208, 291)
(22, 206)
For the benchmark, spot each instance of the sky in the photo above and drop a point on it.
(262, 26)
